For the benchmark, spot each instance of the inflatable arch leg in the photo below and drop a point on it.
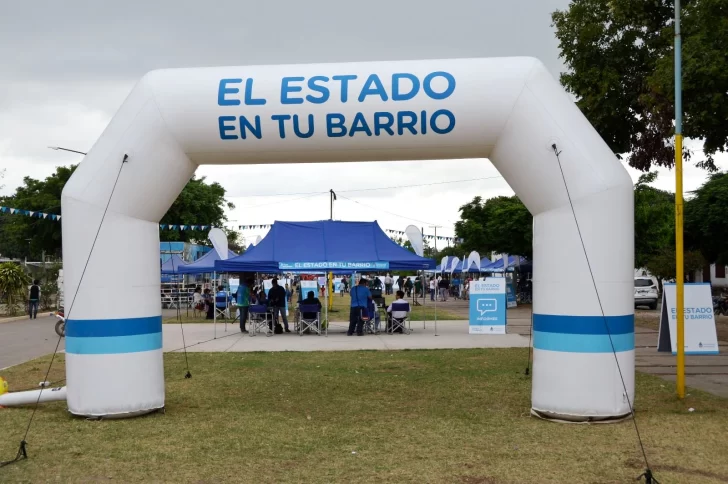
(508, 110)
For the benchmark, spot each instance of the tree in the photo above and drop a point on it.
(13, 285)
(500, 224)
(22, 236)
(198, 204)
(620, 59)
(706, 219)
(654, 220)
(662, 265)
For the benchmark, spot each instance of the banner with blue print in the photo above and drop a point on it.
(511, 293)
(700, 332)
(488, 306)
(308, 286)
(354, 266)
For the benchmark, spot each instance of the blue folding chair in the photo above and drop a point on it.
(399, 322)
(310, 319)
(260, 318)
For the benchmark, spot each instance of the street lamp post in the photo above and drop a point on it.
(435, 227)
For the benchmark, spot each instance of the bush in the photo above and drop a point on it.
(13, 286)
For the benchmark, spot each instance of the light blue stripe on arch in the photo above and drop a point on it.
(108, 345)
(582, 343)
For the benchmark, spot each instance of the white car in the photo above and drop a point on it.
(645, 292)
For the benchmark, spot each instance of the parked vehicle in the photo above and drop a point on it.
(61, 323)
(645, 292)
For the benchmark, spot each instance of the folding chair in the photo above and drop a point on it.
(309, 323)
(259, 318)
(222, 308)
(367, 317)
(396, 323)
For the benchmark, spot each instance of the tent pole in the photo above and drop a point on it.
(326, 297)
(214, 306)
(424, 299)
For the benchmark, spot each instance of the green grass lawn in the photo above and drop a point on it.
(452, 416)
(340, 312)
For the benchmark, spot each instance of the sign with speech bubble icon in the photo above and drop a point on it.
(488, 306)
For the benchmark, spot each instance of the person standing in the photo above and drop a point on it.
(388, 285)
(360, 296)
(444, 285)
(34, 299)
(432, 288)
(243, 300)
(209, 304)
(277, 302)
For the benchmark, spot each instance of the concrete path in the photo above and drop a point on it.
(708, 372)
(450, 334)
(25, 339)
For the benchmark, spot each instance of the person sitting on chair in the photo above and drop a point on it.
(209, 306)
(397, 314)
(311, 300)
(222, 295)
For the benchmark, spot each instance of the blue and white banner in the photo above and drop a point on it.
(700, 333)
(488, 306)
(355, 266)
(307, 286)
(511, 293)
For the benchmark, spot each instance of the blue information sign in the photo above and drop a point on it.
(488, 306)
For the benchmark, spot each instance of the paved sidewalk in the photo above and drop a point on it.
(26, 339)
(450, 334)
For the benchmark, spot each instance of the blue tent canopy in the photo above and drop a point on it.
(205, 264)
(448, 265)
(497, 266)
(325, 245)
(173, 265)
(473, 269)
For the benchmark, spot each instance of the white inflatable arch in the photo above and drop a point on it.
(509, 110)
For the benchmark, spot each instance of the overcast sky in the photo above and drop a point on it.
(65, 68)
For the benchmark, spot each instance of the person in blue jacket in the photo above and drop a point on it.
(360, 297)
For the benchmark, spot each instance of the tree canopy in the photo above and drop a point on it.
(199, 203)
(621, 69)
(500, 224)
(706, 219)
(27, 237)
(654, 220)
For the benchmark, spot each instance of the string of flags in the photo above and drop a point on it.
(184, 227)
(55, 217)
(30, 213)
(396, 232)
(426, 237)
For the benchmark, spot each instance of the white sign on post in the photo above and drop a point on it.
(700, 334)
(488, 306)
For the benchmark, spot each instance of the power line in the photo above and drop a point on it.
(310, 195)
(386, 211)
(421, 184)
(378, 188)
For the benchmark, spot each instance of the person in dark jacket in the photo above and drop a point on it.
(311, 300)
(34, 299)
(277, 303)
